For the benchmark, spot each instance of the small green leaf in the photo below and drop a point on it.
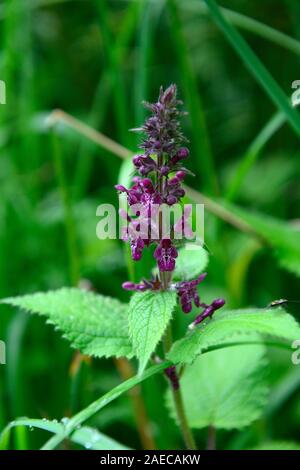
(225, 389)
(242, 326)
(149, 315)
(95, 324)
(190, 263)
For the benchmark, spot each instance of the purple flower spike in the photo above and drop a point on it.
(165, 254)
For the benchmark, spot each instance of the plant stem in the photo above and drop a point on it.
(186, 432)
(211, 438)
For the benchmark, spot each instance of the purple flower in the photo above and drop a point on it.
(208, 311)
(137, 246)
(154, 284)
(188, 293)
(165, 254)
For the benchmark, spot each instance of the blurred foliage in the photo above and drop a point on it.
(97, 59)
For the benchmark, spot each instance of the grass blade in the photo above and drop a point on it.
(252, 154)
(251, 25)
(255, 66)
(200, 137)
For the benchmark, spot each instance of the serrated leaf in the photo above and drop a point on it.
(94, 324)
(225, 389)
(149, 315)
(239, 326)
(279, 234)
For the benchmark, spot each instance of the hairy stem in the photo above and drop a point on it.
(186, 432)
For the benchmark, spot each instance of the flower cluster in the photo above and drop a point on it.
(188, 293)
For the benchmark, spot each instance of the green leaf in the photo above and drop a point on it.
(86, 436)
(225, 389)
(94, 440)
(190, 263)
(273, 326)
(278, 445)
(284, 238)
(149, 315)
(95, 324)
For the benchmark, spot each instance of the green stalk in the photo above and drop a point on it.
(185, 430)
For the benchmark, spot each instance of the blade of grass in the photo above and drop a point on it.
(252, 154)
(200, 139)
(74, 266)
(85, 414)
(255, 66)
(97, 405)
(251, 25)
(116, 74)
(21, 438)
(149, 16)
(101, 101)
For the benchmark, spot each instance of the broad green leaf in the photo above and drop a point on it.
(283, 237)
(225, 389)
(278, 445)
(149, 315)
(190, 263)
(94, 324)
(86, 436)
(274, 326)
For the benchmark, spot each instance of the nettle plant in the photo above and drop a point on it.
(216, 374)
